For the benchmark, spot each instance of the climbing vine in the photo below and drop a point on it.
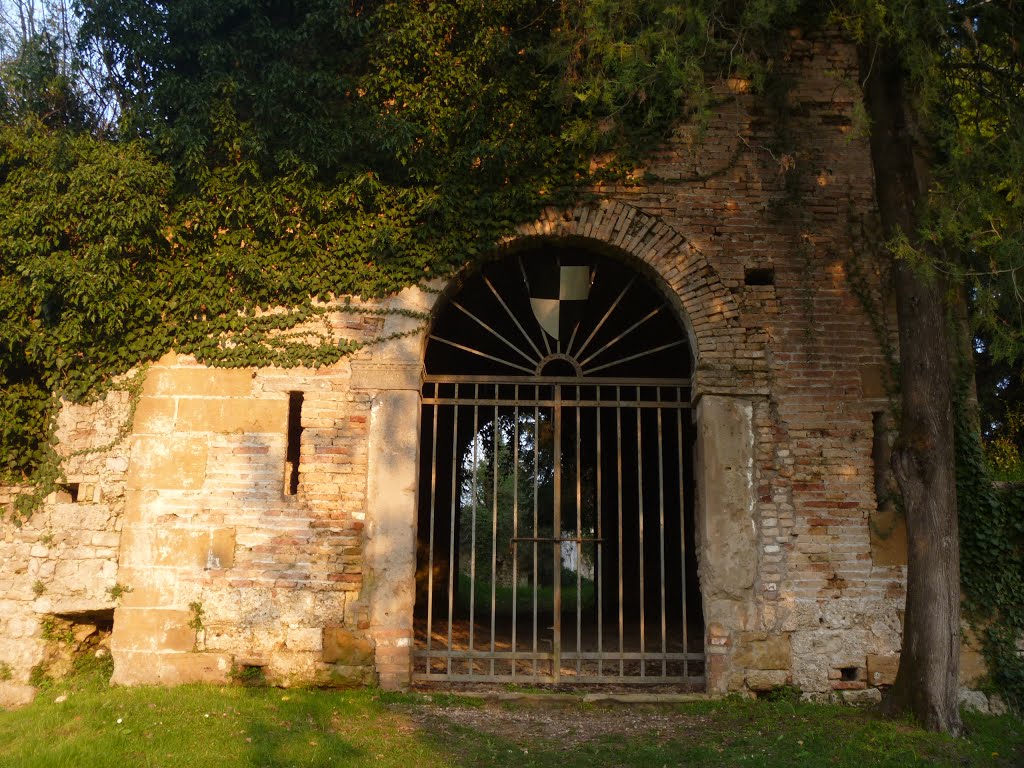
(272, 158)
(991, 557)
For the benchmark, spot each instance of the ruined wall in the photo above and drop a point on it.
(760, 233)
(63, 561)
(183, 533)
(779, 198)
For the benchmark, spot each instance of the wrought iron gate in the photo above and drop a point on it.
(554, 543)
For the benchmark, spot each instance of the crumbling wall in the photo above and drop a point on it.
(61, 564)
(760, 230)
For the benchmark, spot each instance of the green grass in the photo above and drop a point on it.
(231, 727)
(524, 596)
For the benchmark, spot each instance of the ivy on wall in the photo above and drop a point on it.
(280, 155)
(276, 155)
(991, 560)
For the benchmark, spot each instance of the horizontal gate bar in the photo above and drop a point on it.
(487, 655)
(470, 401)
(568, 679)
(542, 381)
(552, 540)
(633, 656)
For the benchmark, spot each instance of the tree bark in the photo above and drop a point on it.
(923, 458)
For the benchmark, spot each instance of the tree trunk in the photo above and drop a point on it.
(923, 458)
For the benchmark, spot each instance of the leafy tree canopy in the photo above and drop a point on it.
(271, 152)
(173, 167)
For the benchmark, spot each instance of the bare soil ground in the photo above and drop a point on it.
(566, 725)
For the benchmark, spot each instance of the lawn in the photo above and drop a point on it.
(230, 727)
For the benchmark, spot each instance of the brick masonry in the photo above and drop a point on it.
(802, 576)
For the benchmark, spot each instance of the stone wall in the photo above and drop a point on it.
(759, 233)
(63, 561)
(184, 535)
(774, 205)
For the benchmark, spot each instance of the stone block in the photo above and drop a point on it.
(152, 629)
(14, 695)
(725, 463)
(888, 532)
(117, 463)
(767, 679)
(340, 646)
(972, 666)
(972, 701)
(290, 668)
(305, 639)
(221, 548)
(147, 668)
(882, 669)
(343, 676)
(154, 415)
(232, 416)
(716, 669)
(167, 463)
(106, 539)
(373, 375)
(817, 652)
(138, 506)
(198, 381)
(180, 547)
(146, 592)
(867, 697)
(872, 381)
(759, 650)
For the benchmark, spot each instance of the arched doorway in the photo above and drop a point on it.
(555, 516)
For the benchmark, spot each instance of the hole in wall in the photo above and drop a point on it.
(759, 276)
(849, 674)
(75, 642)
(249, 675)
(293, 452)
(68, 493)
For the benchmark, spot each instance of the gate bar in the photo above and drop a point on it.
(599, 571)
(618, 456)
(579, 543)
(640, 502)
(494, 530)
(515, 531)
(682, 541)
(472, 528)
(451, 541)
(556, 527)
(430, 554)
(661, 542)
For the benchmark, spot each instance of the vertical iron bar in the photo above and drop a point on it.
(472, 528)
(494, 525)
(579, 535)
(599, 572)
(682, 537)
(618, 457)
(430, 544)
(536, 518)
(515, 526)
(556, 629)
(661, 539)
(640, 503)
(451, 541)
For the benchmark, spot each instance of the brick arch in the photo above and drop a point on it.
(707, 307)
